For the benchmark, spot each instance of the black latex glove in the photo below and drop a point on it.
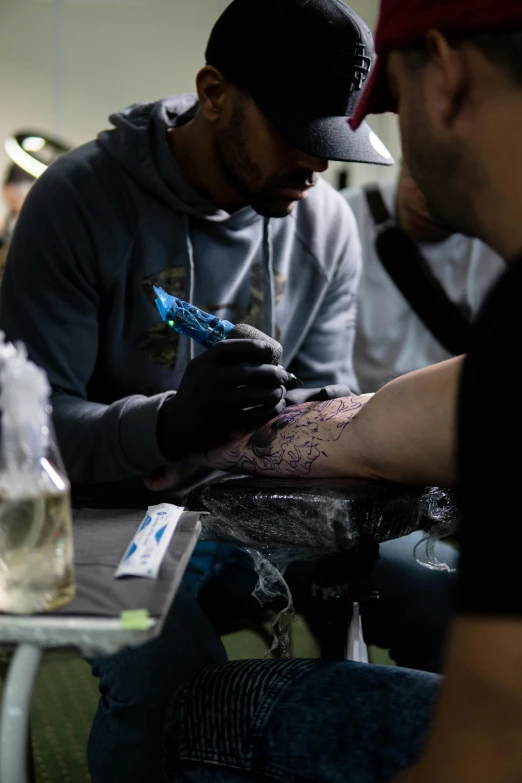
(298, 396)
(215, 392)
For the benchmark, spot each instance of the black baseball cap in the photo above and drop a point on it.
(305, 63)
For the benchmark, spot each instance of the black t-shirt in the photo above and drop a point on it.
(490, 455)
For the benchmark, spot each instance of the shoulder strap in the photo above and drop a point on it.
(414, 278)
(379, 210)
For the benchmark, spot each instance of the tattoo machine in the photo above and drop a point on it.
(207, 329)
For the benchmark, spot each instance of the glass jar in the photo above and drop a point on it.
(36, 544)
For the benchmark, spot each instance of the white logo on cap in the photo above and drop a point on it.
(378, 146)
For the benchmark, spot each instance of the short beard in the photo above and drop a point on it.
(447, 177)
(266, 207)
(241, 171)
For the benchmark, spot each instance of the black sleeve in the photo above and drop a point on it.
(50, 300)
(490, 463)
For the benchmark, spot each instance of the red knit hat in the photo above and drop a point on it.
(403, 23)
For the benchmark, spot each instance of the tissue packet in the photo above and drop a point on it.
(150, 542)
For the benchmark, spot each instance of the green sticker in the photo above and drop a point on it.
(135, 620)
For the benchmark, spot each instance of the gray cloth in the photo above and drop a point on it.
(100, 540)
(114, 217)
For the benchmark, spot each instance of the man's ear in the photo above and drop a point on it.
(449, 86)
(212, 88)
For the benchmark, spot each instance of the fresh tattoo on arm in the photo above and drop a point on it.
(296, 443)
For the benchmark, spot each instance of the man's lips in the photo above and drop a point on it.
(421, 218)
(295, 193)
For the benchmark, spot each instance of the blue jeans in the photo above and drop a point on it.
(298, 721)
(137, 685)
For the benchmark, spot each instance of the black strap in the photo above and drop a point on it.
(414, 278)
(379, 210)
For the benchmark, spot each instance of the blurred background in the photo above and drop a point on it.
(65, 65)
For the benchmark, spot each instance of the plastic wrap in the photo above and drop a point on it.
(278, 521)
(442, 520)
(271, 586)
(310, 519)
(24, 403)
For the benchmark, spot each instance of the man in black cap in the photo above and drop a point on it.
(216, 198)
(181, 193)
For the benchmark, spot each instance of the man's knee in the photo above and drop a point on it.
(298, 720)
(217, 718)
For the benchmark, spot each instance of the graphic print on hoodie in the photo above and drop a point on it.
(160, 344)
(116, 212)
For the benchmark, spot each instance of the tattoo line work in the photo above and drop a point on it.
(290, 444)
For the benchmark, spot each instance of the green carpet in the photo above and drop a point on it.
(66, 696)
(63, 707)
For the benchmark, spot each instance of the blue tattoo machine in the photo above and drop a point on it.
(207, 329)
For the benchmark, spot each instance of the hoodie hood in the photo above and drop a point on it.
(139, 142)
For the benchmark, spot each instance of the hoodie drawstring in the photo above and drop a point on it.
(268, 280)
(190, 277)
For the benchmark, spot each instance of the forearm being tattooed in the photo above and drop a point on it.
(302, 442)
(404, 433)
(305, 441)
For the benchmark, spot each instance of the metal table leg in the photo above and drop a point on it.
(14, 719)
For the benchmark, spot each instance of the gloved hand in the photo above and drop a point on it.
(233, 387)
(298, 396)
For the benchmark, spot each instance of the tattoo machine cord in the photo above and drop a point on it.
(207, 330)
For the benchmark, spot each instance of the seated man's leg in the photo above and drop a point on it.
(137, 685)
(298, 721)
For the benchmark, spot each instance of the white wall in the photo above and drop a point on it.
(65, 65)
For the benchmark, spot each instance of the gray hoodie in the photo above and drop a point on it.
(114, 217)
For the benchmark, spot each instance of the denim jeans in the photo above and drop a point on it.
(298, 721)
(137, 685)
